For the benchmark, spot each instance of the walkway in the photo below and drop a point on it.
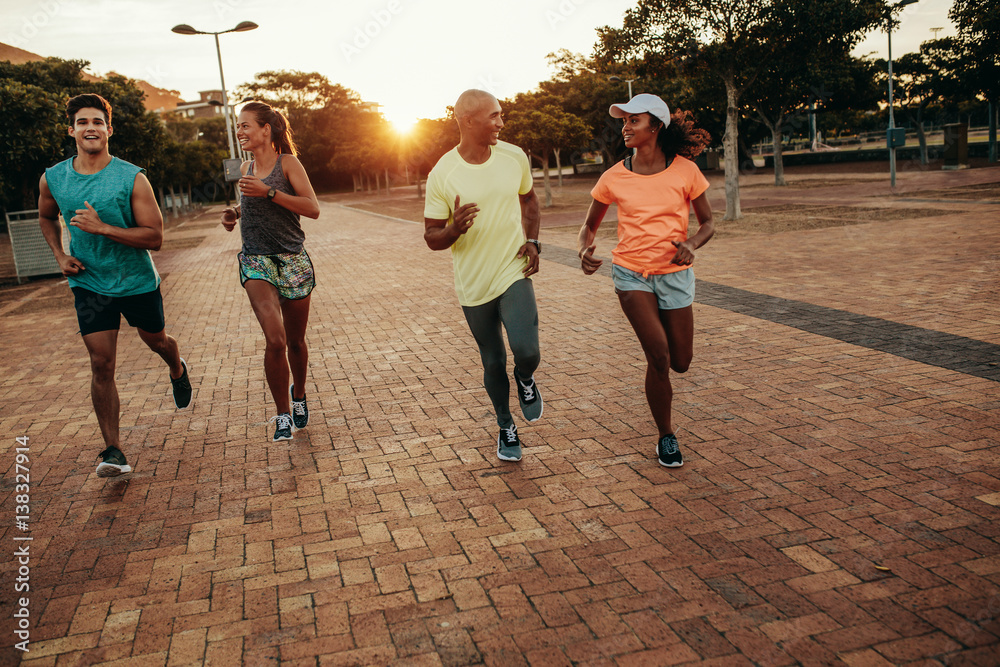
(840, 503)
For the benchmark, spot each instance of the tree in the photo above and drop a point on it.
(424, 145)
(979, 36)
(31, 140)
(581, 87)
(539, 127)
(180, 129)
(324, 117)
(371, 151)
(810, 67)
(924, 78)
(722, 37)
(212, 131)
(46, 86)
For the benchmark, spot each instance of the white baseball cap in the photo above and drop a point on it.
(642, 103)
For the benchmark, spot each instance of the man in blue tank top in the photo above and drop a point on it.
(113, 222)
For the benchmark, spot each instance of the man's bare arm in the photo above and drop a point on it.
(48, 220)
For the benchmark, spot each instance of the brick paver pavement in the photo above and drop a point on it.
(839, 503)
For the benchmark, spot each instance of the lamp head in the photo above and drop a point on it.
(250, 25)
(185, 29)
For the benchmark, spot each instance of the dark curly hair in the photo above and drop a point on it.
(681, 137)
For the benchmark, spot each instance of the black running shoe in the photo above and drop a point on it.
(112, 463)
(508, 444)
(669, 452)
(529, 397)
(283, 429)
(182, 388)
(300, 411)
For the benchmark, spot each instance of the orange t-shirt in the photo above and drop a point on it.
(653, 210)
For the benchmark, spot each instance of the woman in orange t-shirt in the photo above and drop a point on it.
(654, 189)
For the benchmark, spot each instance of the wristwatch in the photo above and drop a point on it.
(271, 193)
(538, 246)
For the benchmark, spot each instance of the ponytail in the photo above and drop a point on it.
(681, 137)
(281, 131)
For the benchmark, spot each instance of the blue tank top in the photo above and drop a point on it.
(110, 268)
(266, 228)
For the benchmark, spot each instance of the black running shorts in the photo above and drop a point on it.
(97, 312)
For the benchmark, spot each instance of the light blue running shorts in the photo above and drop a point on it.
(672, 290)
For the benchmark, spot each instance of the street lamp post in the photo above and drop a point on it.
(185, 29)
(628, 81)
(891, 138)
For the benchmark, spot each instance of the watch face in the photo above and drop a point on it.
(271, 193)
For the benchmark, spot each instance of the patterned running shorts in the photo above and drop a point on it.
(290, 272)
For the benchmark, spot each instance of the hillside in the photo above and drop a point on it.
(157, 99)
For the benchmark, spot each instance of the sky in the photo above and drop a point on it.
(412, 57)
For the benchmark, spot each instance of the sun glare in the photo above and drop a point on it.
(402, 124)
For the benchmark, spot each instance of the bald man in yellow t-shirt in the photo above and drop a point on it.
(480, 203)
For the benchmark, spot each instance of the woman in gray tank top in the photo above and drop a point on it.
(275, 269)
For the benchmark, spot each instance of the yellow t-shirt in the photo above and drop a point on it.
(485, 257)
(653, 210)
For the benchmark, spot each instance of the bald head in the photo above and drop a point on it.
(470, 102)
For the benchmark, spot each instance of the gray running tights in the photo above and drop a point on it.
(516, 310)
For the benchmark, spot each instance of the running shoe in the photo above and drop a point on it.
(529, 397)
(669, 452)
(300, 411)
(182, 388)
(508, 444)
(112, 463)
(283, 428)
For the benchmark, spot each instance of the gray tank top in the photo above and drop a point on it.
(269, 229)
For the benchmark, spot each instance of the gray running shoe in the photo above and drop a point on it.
(300, 411)
(669, 452)
(283, 429)
(112, 463)
(508, 444)
(529, 397)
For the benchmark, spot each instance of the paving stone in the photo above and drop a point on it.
(839, 502)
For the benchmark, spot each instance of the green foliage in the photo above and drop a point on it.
(293, 90)
(720, 36)
(776, 57)
(539, 124)
(979, 39)
(31, 138)
(426, 142)
(923, 77)
(181, 129)
(35, 96)
(332, 130)
(372, 147)
(213, 132)
(33, 100)
(731, 40)
(813, 62)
